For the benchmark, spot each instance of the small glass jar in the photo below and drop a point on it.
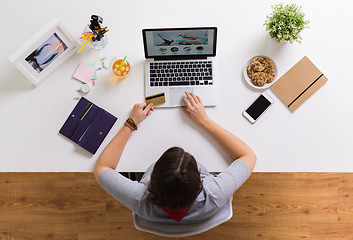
(96, 44)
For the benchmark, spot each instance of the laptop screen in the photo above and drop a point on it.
(175, 43)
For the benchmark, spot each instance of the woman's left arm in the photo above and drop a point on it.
(110, 156)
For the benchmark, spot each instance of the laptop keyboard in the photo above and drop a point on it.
(183, 73)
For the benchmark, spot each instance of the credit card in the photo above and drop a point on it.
(157, 99)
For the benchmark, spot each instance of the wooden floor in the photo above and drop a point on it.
(268, 206)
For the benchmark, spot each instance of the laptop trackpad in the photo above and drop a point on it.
(176, 94)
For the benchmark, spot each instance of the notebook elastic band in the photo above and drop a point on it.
(305, 90)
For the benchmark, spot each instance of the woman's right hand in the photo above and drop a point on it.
(140, 111)
(195, 110)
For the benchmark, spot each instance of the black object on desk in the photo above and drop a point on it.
(88, 125)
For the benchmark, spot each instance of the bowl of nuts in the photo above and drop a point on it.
(260, 72)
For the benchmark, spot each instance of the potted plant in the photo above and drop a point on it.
(286, 23)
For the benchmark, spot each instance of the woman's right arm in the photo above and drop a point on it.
(234, 146)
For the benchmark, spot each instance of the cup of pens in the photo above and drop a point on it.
(120, 67)
(98, 40)
(94, 34)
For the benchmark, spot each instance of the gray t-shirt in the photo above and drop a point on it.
(216, 191)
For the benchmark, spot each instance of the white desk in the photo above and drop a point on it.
(318, 136)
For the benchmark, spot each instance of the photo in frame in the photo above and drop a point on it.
(44, 52)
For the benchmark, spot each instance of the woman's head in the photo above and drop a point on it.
(175, 180)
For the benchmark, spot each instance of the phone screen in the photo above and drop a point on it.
(258, 107)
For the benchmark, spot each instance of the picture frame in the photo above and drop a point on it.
(42, 54)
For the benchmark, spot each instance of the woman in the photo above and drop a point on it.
(176, 188)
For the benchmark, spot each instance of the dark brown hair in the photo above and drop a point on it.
(175, 180)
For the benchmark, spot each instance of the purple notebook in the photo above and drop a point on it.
(88, 125)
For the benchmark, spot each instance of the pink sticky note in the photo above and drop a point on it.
(84, 73)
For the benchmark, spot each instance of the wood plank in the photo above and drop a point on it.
(267, 206)
(297, 196)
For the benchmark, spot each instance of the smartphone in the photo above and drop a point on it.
(258, 107)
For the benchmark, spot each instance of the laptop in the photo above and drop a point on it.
(179, 60)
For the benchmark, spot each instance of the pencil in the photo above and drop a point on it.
(87, 36)
(101, 29)
(85, 44)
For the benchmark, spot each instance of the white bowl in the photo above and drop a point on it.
(248, 80)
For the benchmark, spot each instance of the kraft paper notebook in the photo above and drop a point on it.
(88, 125)
(299, 83)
